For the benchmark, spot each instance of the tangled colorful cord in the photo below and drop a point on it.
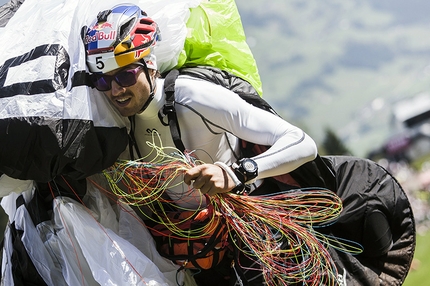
(277, 230)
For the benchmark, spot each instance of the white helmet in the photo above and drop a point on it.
(119, 37)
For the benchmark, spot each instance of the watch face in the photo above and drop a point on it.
(246, 170)
(249, 165)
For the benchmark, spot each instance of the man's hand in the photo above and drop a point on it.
(210, 179)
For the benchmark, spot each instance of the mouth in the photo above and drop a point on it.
(123, 101)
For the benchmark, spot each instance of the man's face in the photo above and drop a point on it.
(129, 100)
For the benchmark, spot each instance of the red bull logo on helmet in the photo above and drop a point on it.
(138, 53)
(100, 36)
(101, 26)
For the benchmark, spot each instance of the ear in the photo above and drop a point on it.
(154, 73)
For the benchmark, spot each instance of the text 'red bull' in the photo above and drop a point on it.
(100, 36)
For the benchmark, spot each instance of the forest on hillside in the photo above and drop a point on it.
(340, 64)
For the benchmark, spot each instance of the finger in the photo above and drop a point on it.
(191, 175)
(208, 189)
(199, 183)
(212, 192)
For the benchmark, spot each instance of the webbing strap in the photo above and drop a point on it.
(169, 109)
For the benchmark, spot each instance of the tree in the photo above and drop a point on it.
(332, 145)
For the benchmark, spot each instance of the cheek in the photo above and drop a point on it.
(142, 83)
(140, 92)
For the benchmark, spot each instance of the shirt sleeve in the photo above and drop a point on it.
(225, 111)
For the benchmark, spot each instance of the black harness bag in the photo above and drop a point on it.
(376, 212)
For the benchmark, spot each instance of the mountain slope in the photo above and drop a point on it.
(340, 63)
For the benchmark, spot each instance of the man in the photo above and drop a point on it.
(212, 118)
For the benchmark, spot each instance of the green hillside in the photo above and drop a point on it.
(340, 64)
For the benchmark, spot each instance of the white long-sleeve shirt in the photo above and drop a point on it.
(212, 118)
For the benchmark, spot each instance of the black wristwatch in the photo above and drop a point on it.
(246, 170)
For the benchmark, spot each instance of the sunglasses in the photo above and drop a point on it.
(124, 78)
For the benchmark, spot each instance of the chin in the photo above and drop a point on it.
(127, 114)
(124, 113)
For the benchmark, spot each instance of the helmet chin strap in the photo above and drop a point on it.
(151, 88)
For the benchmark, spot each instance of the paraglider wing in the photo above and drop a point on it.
(51, 122)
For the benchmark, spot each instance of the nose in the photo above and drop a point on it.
(116, 88)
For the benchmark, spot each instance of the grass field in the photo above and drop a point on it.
(419, 273)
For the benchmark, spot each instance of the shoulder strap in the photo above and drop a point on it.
(215, 75)
(169, 109)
